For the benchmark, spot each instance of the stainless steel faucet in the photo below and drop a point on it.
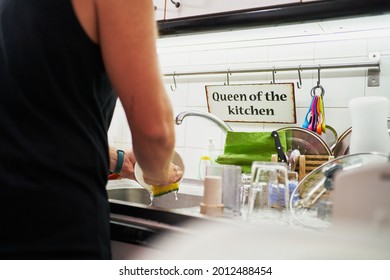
(180, 117)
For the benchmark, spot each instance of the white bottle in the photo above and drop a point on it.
(203, 163)
(207, 159)
(211, 150)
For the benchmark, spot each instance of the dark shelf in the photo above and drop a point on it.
(283, 14)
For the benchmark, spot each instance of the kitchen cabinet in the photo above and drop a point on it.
(189, 8)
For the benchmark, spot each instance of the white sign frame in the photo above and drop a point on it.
(253, 103)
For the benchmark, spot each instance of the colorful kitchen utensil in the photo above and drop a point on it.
(313, 123)
(315, 116)
(308, 116)
(319, 116)
(323, 128)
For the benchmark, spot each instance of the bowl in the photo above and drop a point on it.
(176, 159)
(314, 208)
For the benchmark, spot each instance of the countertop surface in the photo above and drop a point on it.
(185, 233)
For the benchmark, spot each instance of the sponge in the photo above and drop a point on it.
(161, 190)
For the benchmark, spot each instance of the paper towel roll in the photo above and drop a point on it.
(212, 196)
(369, 125)
(212, 190)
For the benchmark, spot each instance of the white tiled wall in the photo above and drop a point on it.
(336, 41)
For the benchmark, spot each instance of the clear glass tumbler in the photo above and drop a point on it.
(268, 188)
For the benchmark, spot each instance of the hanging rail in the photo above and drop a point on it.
(375, 64)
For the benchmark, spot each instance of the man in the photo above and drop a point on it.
(60, 64)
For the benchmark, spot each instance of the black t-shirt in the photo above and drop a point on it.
(56, 104)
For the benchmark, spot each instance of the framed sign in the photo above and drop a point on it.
(257, 103)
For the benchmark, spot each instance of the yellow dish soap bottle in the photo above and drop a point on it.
(207, 159)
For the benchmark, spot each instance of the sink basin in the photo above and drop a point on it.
(168, 201)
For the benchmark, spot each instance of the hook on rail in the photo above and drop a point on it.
(299, 83)
(273, 75)
(176, 3)
(174, 82)
(318, 86)
(319, 76)
(228, 73)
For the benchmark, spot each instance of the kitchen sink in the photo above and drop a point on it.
(141, 196)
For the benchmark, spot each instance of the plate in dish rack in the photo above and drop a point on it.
(306, 141)
(342, 145)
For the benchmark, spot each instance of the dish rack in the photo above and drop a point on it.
(307, 163)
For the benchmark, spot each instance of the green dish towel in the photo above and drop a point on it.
(243, 148)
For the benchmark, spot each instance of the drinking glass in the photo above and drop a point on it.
(267, 192)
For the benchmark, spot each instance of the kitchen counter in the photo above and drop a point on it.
(140, 231)
(169, 212)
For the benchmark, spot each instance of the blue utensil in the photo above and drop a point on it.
(308, 116)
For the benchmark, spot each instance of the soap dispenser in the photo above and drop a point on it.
(203, 163)
(211, 150)
(206, 159)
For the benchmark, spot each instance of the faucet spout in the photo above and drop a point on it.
(224, 126)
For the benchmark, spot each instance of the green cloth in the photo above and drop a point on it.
(243, 148)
